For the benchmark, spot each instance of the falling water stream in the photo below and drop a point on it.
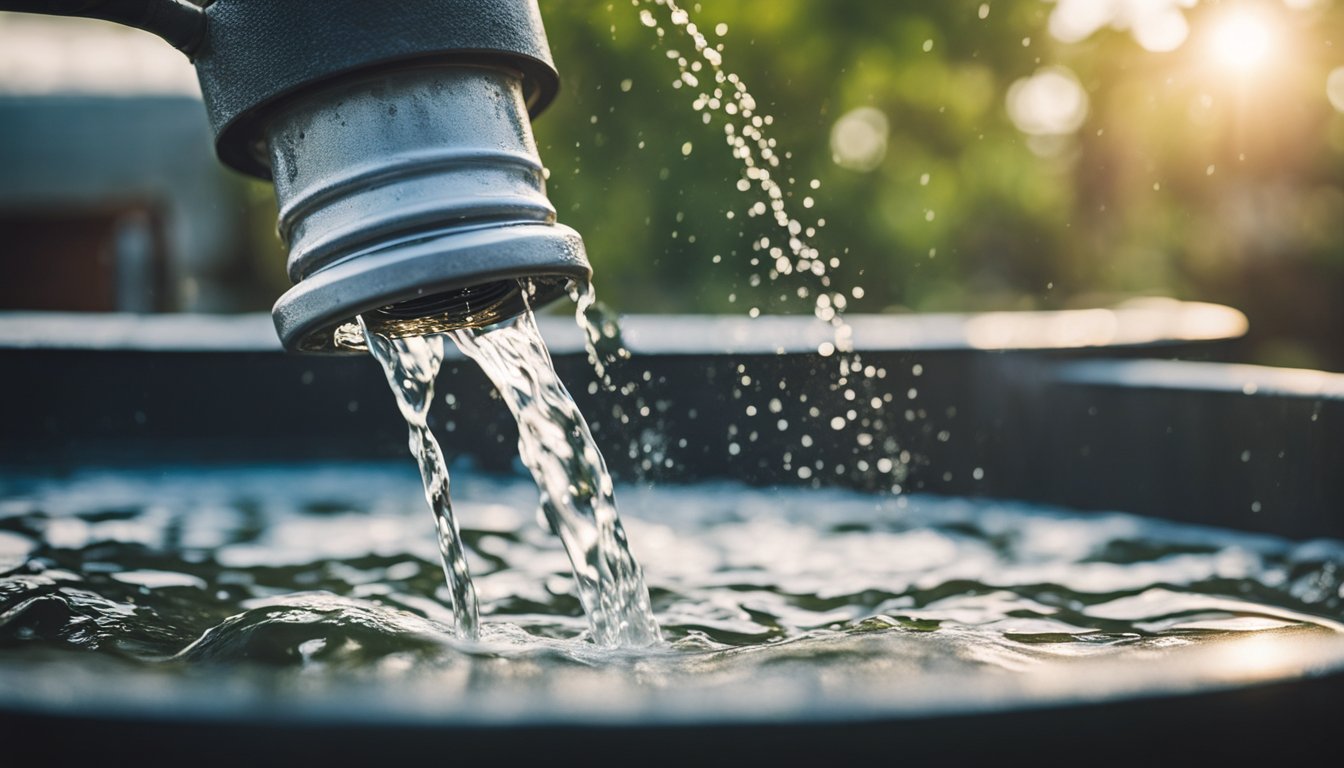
(555, 444)
(411, 363)
(577, 496)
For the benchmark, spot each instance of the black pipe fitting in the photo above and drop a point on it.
(259, 53)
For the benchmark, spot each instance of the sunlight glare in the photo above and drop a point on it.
(1241, 41)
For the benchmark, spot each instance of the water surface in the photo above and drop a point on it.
(320, 587)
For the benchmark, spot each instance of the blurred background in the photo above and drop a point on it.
(952, 156)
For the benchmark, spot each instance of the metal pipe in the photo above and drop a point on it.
(399, 140)
(414, 196)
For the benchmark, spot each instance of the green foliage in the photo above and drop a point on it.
(1181, 181)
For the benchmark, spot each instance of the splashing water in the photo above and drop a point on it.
(411, 364)
(577, 497)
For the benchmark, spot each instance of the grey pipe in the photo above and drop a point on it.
(414, 196)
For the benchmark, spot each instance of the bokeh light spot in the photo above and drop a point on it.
(859, 139)
(1049, 103)
(1334, 88)
(1156, 25)
(1161, 32)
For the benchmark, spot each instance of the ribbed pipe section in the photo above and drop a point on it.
(415, 195)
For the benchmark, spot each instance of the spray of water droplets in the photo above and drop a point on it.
(784, 259)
